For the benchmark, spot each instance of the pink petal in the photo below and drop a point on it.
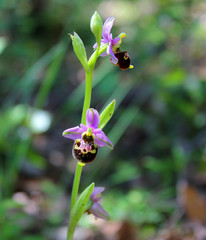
(83, 127)
(92, 118)
(103, 41)
(95, 46)
(73, 133)
(113, 59)
(107, 28)
(98, 211)
(104, 54)
(115, 40)
(102, 140)
(97, 130)
(96, 191)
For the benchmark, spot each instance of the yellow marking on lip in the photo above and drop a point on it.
(126, 57)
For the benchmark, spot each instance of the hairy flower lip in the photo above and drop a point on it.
(92, 123)
(123, 59)
(84, 151)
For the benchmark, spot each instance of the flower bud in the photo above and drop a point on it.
(96, 26)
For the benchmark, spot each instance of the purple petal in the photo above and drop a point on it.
(104, 54)
(96, 191)
(115, 40)
(103, 41)
(95, 46)
(92, 118)
(83, 127)
(97, 130)
(102, 140)
(73, 133)
(107, 29)
(98, 211)
(113, 59)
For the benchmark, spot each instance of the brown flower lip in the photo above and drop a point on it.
(123, 59)
(84, 152)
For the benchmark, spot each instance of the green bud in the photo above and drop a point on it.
(106, 114)
(79, 50)
(96, 26)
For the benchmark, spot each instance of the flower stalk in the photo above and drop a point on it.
(79, 166)
(76, 182)
(86, 105)
(89, 135)
(87, 95)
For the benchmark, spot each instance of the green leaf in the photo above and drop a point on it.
(107, 114)
(174, 78)
(96, 26)
(79, 208)
(79, 50)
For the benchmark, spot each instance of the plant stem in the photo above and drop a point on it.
(70, 234)
(87, 96)
(86, 105)
(88, 79)
(96, 54)
(75, 190)
(87, 101)
(75, 187)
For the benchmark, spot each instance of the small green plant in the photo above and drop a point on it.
(89, 136)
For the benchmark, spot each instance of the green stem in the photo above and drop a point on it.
(87, 96)
(88, 80)
(96, 54)
(86, 105)
(70, 234)
(76, 182)
(75, 189)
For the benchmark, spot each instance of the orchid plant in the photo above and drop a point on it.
(89, 136)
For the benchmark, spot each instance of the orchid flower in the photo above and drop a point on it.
(95, 207)
(88, 137)
(117, 57)
(107, 38)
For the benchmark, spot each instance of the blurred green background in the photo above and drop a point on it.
(159, 126)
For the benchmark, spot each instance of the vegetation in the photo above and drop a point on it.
(158, 128)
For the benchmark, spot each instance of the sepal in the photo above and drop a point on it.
(107, 114)
(80, 207)
(79, 50)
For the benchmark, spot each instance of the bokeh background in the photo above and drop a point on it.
(155, 178)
